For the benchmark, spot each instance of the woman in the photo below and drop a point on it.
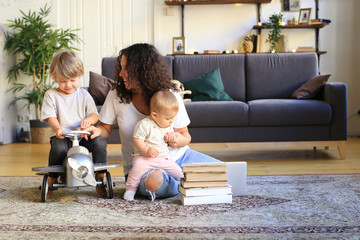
(140, 72)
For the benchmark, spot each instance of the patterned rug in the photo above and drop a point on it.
(276, 207)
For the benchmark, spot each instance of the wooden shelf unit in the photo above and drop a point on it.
(199, 2)
(182, 3)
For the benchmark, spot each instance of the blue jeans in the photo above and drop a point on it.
(169, 187)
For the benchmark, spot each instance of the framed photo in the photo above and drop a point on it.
(178, 45)
(304, 15)
(290, 5)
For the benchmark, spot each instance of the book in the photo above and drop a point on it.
(205, 191)
(212, 199)
(204, 167)
(305, 49)
(260, 45)
(211, 51)
(205, 176)
(194, 184)
(254, 41)
(320, 20)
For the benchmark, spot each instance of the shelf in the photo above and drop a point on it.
(202, 54)
(198, 2)
(297, 26)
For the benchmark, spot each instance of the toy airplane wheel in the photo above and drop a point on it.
(44, 188)
(109, 186)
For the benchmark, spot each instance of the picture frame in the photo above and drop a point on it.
(304, 15)
(178, 45)
(290, 5)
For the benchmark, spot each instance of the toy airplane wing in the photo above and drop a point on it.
(52, 168)
(105, 166)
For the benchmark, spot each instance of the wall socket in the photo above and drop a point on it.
(23, 118)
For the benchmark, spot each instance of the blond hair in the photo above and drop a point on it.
(66, 65)
(164, 100)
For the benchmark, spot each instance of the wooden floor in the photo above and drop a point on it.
(18, 159)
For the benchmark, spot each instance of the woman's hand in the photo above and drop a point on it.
(94, 131)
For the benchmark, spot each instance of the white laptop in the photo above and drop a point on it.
(236, 176)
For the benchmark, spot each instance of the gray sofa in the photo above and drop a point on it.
(262, 110)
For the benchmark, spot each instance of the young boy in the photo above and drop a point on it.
(150, 149)
(67, 108)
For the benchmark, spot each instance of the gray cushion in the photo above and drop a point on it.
(288, 112)
(217, 113)
(278, 75)
(232, 68)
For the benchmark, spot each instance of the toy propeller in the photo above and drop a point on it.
(82, 172)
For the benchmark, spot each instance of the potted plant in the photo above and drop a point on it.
(34, 41)
(274, 35)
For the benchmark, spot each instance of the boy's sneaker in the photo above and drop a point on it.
(129, 195)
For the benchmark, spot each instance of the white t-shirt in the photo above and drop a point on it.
(126, 116)
(70, 109)
(153, 135)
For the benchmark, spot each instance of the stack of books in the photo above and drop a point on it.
(320, 21)
(205, 183)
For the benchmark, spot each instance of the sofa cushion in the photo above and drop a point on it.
(271, 76)
(207, 87)
(232, 70)
(288, 112)
(311, 88)
(217, 113)
(99, 86)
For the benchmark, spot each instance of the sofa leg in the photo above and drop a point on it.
(342, 149)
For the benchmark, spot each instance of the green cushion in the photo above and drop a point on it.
(208, 87)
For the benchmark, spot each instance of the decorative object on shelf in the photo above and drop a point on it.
(274, 35)
(248, 44)
(178, 45)
(35, 41)
(290, 5)
(304, 15)
(292, 21)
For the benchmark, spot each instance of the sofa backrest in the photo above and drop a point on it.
(232, 69)
(108, 66)
(278, 75)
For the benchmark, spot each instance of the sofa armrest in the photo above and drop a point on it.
(335, 95)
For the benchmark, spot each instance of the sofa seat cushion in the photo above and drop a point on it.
(288, 112)
(217, 113)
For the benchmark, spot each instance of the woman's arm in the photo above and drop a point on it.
(101, 129)
(87, 122)
(179, 138)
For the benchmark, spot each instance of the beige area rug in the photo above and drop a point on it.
(276, 207)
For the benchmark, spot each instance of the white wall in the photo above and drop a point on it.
(106, 26)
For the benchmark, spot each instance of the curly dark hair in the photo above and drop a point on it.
(145, 65)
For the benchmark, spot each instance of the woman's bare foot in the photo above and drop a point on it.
(154, 180)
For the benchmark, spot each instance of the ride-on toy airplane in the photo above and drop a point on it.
(78, 169)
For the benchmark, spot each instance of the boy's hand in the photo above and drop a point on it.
(152, 152)
(85, 124)
(172, 138)
(59, 132)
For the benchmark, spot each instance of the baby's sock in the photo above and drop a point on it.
(129, 195)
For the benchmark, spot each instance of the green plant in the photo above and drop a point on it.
(34, 41)
(274, 35)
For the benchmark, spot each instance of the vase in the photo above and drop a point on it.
(40, 132)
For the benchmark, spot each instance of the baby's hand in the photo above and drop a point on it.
(59, 132)
(171, 137)
(152, 152)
